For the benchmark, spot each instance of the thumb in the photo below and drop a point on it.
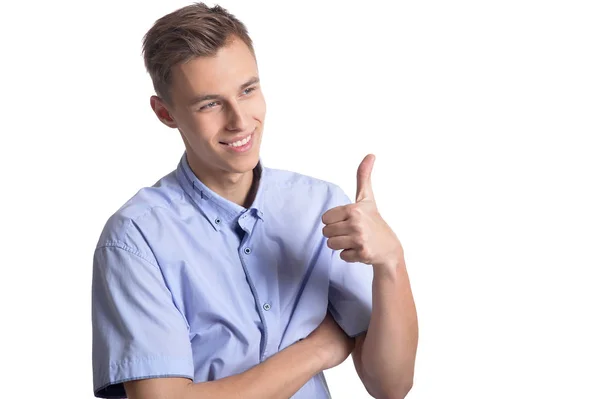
(364, 190)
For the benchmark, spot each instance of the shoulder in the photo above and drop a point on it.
(290, 185)
(148, 205)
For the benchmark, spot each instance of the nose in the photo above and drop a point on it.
(237, 120)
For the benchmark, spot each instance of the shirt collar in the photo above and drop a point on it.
(216, 208)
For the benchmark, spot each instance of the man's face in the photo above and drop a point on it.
(218, 107)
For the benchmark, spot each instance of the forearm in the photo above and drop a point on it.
(279, 377)
(388, 354)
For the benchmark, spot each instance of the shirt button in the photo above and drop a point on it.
(247, 251)
(217, 221)
(267, 307)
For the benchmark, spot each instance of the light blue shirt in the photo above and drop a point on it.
(189, 284)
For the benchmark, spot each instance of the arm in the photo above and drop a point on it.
(139, 334)
(280, 376)
(385, 357)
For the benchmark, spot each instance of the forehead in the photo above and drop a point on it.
(223, 73)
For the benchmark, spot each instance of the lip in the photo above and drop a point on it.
(243, 148)
(241, 137)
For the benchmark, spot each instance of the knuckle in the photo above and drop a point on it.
(364, 253)
(354, 210)
(355, 224)
(361, 238)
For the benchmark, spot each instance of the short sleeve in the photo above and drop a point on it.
(350, 287)
(138, 332)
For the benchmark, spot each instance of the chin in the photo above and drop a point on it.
(244, 165)
(236, 163)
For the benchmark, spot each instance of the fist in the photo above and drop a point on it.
(358, 229)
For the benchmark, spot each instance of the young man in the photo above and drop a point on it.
(224, 279)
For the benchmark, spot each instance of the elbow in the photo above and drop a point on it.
(403, 390)
(399, 390)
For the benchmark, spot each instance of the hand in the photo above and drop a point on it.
(333, 346)
(358, 229)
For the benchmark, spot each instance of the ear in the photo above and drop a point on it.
(162, 112)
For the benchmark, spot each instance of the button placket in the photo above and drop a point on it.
(270, 314)
(264, 302)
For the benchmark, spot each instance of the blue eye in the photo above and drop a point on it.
(210, 105)
(249, 90)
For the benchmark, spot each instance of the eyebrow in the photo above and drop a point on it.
(205, 97)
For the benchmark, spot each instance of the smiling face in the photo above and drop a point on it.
(219, 109)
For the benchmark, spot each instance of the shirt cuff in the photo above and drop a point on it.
(109, 383)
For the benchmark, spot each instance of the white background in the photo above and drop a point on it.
(485, 119)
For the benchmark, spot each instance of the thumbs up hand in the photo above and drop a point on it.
(358, 229)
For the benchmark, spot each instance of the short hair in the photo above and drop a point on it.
(187, 33)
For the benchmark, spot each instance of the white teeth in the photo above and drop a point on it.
(240, 142)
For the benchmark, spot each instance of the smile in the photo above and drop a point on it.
(240, 145)
(241, 142)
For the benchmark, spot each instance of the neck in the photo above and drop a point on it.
(239, 188)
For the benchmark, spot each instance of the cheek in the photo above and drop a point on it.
(258, 108)
(205, 126)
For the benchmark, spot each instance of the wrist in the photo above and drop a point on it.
(391, 266)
